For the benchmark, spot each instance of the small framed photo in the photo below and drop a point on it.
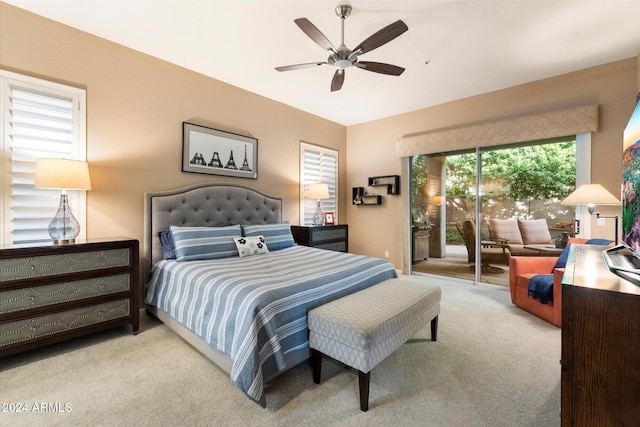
(329, 218)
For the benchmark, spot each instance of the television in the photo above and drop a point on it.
(624, 259)
(631, 181)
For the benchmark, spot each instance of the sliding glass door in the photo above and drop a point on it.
(455, 196)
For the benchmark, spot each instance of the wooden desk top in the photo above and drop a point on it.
(586, 268)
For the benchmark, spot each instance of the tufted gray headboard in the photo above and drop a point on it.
(206, 204)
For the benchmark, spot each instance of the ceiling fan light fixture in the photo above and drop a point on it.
(342, 63)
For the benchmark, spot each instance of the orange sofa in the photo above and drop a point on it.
(522, 269)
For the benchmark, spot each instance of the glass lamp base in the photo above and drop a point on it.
(64, 227)
(63, 241)
(318, 216)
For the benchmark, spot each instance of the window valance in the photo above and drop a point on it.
(552, 124)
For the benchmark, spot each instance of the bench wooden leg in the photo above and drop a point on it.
(316, 365)
(434, 329)
(363, 382)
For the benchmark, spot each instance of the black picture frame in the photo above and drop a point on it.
(216, 152)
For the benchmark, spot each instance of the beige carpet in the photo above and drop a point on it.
(493, 365)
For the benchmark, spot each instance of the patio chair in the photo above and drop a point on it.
(491, 252)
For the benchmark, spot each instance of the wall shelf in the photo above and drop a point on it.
(392, 182)
(359, 198)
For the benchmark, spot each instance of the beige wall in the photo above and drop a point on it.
(613, 86)
(135, 108)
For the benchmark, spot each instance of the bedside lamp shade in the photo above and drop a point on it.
(591, 195)
(318, 191)
(65, 175)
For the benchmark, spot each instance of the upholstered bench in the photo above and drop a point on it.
(363, 328)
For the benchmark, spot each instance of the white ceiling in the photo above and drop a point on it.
(472, 47)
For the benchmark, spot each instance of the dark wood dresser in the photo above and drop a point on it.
(332, 237)
(50, 293)
(600, 380)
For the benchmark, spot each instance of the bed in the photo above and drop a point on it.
(248, 314)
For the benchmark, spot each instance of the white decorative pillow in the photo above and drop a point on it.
(252, 245)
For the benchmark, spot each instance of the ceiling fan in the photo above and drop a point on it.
(343, 57)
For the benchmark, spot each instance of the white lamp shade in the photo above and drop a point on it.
(318, 191)
(62, 173)
(590, 194)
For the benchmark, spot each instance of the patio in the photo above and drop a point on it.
(455, 264)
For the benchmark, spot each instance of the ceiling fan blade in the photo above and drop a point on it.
(300, 66)
(314, 33)
(379, 67)
(381, 37)
(338, 79)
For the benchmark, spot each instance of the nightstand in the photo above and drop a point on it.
(332, 237)
(50, 293)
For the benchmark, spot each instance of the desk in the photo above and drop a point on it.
(545, 250)
(600, 379)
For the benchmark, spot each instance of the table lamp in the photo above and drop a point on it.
(63, 174)
(318, 191)
(591, 195)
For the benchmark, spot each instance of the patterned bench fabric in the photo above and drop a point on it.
(363, 328)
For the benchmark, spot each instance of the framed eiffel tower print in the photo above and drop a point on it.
(216, 152)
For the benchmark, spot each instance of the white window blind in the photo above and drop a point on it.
(39, 119)
(318, 164)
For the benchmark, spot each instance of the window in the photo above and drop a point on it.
(318, 164)
(38, 119)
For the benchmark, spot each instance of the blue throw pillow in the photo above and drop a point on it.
(277, 236)
(168, 247)
(562, 259)
(603, 242)
(197, 243)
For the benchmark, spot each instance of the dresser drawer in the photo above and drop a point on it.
(56, 323)
(335, 246)
(51, 293)
(331, 237)
(332, 233)
(64, 263)
(40, 296)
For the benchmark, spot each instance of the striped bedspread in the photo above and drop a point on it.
(254, 309)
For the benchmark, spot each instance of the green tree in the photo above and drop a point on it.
(521, 174)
